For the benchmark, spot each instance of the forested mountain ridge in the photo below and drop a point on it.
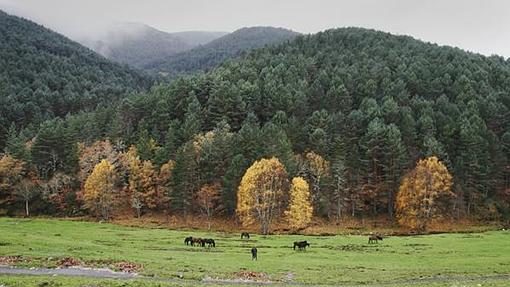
(45, 75)
(229, 46)
(350, 110)
(138, 44)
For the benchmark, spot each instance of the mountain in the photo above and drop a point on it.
(138, 44)
(370, 103)
(196, 38)
(45, 75)
(229, 46)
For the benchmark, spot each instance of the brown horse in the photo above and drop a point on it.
(197, 241)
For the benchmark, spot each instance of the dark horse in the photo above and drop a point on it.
(374, 239)
(209, 242)
(301, 245)
(188, 240)
(245, 235)
(254, 253)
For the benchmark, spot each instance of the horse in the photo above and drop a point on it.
(188, 240)
(374, 239)
(198, 241)
(209, 242)
(301, 245)
(254, 253)
(245, 235)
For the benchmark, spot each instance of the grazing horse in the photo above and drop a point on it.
(198, 241)
(209, 242)
(374, 239)
(254, 253)
(188, 240)
(245, 235)
(301, 245)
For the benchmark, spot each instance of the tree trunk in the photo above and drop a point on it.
(26, 209)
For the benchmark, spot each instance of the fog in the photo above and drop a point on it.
(479, 26)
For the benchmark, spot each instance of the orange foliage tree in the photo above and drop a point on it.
(422, 194)
(11, 173)
(208, 198)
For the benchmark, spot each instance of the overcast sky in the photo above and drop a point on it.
(477, 25)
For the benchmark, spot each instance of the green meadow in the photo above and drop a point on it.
(461, 259)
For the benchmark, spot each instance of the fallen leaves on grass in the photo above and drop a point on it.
(68, 262)
(12, 259)
(252, 275)
(128, 267)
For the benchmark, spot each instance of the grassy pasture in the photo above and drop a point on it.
(349, 260)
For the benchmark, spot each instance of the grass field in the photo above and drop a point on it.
(433, 260)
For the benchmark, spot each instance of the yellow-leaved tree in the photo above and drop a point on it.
(300, 210)
(423, 193)
(99, 192)
(261, 193)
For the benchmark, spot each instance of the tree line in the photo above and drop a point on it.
(349, 111)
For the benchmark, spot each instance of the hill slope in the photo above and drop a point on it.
(369, 102)
(229, 46)
(45, 75)
(138, 44)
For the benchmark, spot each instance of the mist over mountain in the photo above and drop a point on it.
(137, 44)
(44, 75)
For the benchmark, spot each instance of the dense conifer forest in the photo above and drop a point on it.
(349, 110)
(44, 75)
(211, 54)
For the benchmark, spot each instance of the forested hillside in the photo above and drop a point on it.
(349, 110)
(229, 46)
(45, 75)
(138, 44)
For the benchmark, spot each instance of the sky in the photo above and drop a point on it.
(481, 26)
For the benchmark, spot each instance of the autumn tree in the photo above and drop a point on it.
(422, 193)
(208, 198)
(60, 192)
(26, 190)
(261, 193)
(11, 173)
(99, 192)
(300, 210)
(143, 183)
(92, 154)
(316, 170)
